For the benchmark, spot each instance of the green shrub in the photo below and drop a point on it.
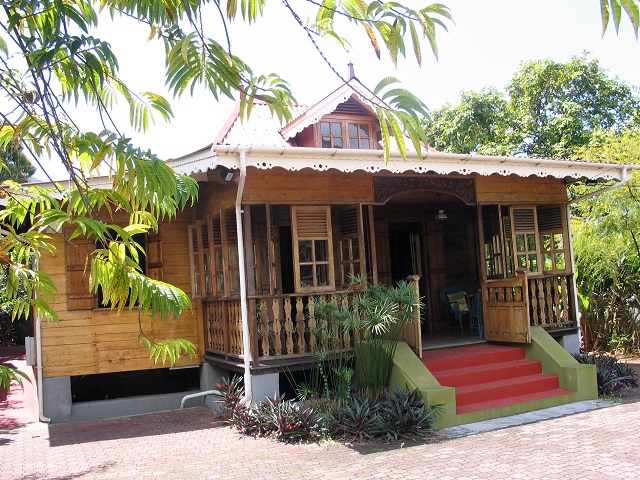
(613, 376)
(361, 417)
(374, 318)
(357, 419)
(405, 416)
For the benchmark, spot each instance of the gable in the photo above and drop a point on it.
(351, 95)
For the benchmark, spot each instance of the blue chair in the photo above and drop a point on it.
(474, 302)
(457, 314)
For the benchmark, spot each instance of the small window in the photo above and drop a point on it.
(312, 248)
(550, 224)
(525, 238)
(359, 136)
(539, 240)
(345, 134)
(215, 265)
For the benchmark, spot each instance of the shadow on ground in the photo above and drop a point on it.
(165, 423)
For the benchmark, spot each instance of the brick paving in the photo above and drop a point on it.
(599, 444)
(192, 443)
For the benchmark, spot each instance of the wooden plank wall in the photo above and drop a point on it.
(513, 190)
(94, 341)
(307, 186)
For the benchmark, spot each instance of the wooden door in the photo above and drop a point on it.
(506, 310)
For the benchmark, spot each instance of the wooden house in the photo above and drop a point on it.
(285, 215)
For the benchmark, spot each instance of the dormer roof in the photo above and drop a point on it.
(351, 91)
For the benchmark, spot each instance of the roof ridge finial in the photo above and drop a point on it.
(352, 73)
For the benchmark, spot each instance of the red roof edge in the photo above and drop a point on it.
(224, 130)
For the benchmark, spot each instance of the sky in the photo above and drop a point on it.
(484, 47)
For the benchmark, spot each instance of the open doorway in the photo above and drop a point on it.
(406, 257)
(405, 250)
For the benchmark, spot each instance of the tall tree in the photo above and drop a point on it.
(482, 124)
(50, 58)
(558, 106)
(606, 239)
(14, 165)
(549, 109)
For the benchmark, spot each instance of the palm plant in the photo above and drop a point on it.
(375, 317)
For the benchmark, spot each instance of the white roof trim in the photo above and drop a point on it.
(328, 104)
(372, 161)
(195, 163)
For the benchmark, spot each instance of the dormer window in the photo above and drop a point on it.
(345, 134)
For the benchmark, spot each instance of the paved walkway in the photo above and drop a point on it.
(599, 444)
(602, 443)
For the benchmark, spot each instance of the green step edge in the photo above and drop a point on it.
(409, 371)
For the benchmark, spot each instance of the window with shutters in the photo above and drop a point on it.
(349, 241)
(215, 267)
(312, 248)
(525, 238)
(538, 238)
(552, 242)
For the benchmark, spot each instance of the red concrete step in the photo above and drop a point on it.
(465, 356)
(506, 388)
(490, 372)
(490, 376)
(509, 401)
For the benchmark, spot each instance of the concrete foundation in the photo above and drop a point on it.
(265, 385)
(60, 408)
(124, 407)
(56, 396)
(571, 343)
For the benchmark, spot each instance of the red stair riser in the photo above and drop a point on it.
(505, 389)
(474, 356)
(488, 373)
(506, 402)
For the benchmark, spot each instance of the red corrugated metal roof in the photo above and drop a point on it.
(260, 129)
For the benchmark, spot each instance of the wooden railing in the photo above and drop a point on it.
(551, 301)
(281, 326)
(511, 306)
(286, 326)
(223, 326)
(291, 326)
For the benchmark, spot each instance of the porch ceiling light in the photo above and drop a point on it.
(227, 174)
(441, 216)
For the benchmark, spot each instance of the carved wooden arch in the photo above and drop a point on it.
(385, 187)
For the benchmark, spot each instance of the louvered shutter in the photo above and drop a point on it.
(350, 244)
(524, 219)
(526, 242)
(154, 256)
(550, 219)
(79, 297)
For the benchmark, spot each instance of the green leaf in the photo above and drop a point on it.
(171, 349)
(9, 374)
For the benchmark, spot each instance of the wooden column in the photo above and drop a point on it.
(250, 278)
(412, 332)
